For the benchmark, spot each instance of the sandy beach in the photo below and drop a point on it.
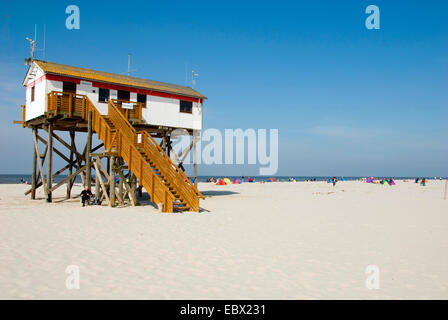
(304, 240)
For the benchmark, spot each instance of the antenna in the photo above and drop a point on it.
(32, 48)
(45, 34)
(194, 75)
(33, 44)
(129, 66)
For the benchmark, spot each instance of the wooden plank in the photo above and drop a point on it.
(112, 182)
(65, 144)
(87, 155)
(128, 189)
(33, 176)
(41, 170)
(54, 176)
(68, 178)
(95, 164)
(70, 170)
(50, 162)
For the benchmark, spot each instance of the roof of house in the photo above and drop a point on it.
(101, 76)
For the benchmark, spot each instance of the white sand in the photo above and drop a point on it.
(254, 241)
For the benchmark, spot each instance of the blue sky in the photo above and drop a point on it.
(346, 100)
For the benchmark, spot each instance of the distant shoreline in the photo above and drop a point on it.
(15, 178)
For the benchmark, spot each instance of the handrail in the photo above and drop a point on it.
(173, 164)
(166, 169)
(137, 108)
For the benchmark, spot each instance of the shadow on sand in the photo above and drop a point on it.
(214, 193)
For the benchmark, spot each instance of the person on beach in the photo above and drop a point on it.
(423, 182)
(86, 194)
(334, 181)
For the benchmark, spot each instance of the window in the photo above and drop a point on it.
(142, 99)
(69, 87)
(186, 106)
(103, 95)
(124, 95)
(32, 93)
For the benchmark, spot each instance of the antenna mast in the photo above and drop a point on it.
(194, 75)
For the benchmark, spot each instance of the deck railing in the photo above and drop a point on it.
(134, 114)
(73, 105)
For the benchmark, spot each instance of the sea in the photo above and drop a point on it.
(18, 178)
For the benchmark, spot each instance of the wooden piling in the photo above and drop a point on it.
(70, 168)
(112, 182)
(50, 162)
(34, 175)
(88, 150)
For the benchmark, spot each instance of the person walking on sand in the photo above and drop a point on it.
(334, 181)
(423, 182)
(86, 194)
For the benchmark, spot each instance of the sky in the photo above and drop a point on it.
(346, 100)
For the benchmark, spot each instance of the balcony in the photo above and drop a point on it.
(71, 105)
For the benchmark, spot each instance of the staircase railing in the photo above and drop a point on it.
(127, 148)
(175, 167)
(173, 175)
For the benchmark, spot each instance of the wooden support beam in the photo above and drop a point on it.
(96, 148)
(68, 178)
(70, 170)
(40, 162)
(112, 182)
(98, 174)
(195, 163)
(131, 194)
(59, 153)
(49, 162)
(39, 184)
(65, 144)
(88, 151)
(33, 176)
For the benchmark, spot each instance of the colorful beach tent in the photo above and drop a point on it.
(227, 181)
(271, 180)
(250, 179)
(219, 182)
(369, 180)
(237, 181)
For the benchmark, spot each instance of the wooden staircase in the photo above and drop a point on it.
(165, 183)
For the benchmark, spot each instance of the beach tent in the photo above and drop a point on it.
(219, 182)
(237, 181)
(250, 179)
(227, 181)
(271, 180)
(369, 180)
(392, 183)
(385, 183)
